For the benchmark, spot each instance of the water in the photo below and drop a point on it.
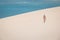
(14, 9)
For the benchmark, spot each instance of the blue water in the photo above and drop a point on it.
(7, 10)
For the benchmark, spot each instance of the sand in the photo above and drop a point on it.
(31, 26)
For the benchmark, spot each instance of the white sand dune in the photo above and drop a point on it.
(30, 26)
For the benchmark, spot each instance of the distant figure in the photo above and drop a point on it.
(44, 18)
